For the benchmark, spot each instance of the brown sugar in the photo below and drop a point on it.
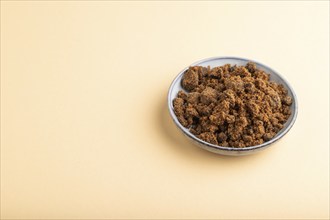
(232, 106)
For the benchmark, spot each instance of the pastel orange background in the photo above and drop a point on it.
(85, 131)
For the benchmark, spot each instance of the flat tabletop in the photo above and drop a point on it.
(85, 131)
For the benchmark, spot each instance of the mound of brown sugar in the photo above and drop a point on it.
(232, 106)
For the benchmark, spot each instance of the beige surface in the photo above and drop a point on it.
(84, 126)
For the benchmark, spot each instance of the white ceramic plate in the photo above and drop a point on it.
(220, 61)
